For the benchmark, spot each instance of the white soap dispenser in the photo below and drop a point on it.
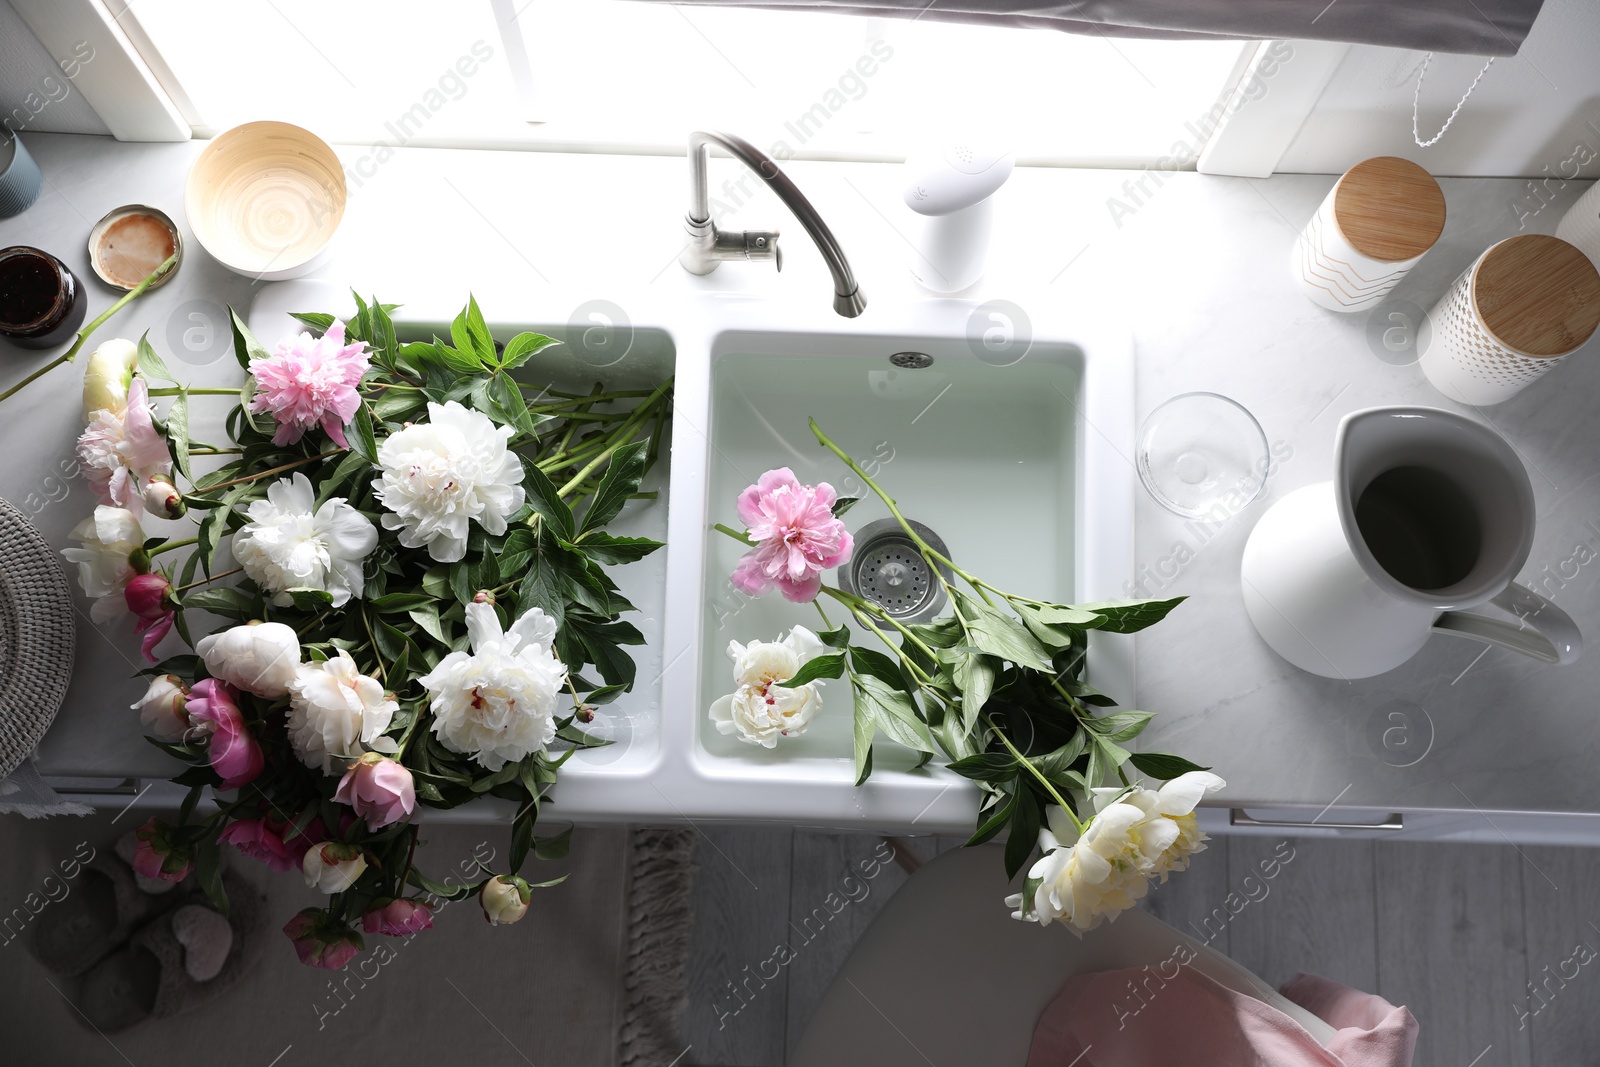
(952, 188)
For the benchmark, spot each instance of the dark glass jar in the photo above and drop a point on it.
(41, 303)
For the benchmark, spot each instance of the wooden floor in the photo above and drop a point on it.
(1495, 949)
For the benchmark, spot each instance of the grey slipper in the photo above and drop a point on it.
(105, 907)
(155, 975)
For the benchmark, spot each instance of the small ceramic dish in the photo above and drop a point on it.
(130, 242)
(265, 199)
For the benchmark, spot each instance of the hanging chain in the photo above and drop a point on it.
(1416, 102)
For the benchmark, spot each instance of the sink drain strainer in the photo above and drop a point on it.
(887, 569)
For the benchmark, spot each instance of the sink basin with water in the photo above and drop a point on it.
(985, 455)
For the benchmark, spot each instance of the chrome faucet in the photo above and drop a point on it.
(709, 246)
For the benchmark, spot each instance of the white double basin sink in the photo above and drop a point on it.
(1015, 445)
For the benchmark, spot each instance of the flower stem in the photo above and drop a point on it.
(816, 604)
(170, 545)
(742, 538)
(1049, 788)
(275, 470)
(83, 335)
(858, 605)
(193, 391)
(204, 581)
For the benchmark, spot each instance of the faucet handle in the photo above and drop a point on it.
(763, 244)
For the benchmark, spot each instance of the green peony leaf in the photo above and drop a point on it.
(893, 712)
(1000, 635)
(523, 347)
(245, 345)
(604, 548)
(830, 665)
(1163, 765)
(546, 502)
(622, 477)
(1131, 616)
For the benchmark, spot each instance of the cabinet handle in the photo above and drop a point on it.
(1393, 821)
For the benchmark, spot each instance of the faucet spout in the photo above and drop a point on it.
(707, 247)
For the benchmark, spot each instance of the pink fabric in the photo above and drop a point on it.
(1142, 1018)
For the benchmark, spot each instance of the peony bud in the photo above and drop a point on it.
(162, 499)
(106, 378)
(585, 713)
(332, 867)
(157, 857)
(504, 898)
(483, 596)
(258, 657)
(232, 749)
(321, 942)
(397, 918)
(162, 710)
(379, 789)
(150, 598)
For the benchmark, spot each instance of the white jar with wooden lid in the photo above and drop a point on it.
(1521, 308)
(1377, 221)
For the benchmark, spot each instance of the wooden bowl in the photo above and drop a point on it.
(265, 199)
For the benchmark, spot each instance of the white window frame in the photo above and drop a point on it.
(116, 82)
(1277, 88)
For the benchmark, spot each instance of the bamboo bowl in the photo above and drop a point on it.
(265, 199)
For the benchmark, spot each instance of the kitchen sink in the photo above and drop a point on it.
(1020, 462)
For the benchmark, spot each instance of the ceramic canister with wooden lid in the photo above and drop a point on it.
(1377, 221)
(1521, 308)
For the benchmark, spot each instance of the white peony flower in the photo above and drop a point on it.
(1176, 831)
(109, 537)
(1083, 881)
(290, 543)
(762, 709)
(332, 867)
(163, 708)
(107, 377)
(498, 704)
(335, 712)
(439, 474)
(1134, 835)
(258, 657)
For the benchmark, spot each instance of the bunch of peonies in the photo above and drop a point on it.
(761, 709)
(796, 534)
(1135, 835)
(499, 703)
(291, 543)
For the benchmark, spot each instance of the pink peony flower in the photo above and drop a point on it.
(379, 789)
(234, 753)
(149, 597)
(797, 536)
(263, 839)
(120, 452)
(320, 942)
(309, 382)
(155, 856)
(397, 918)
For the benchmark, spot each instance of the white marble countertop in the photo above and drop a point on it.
(1199, 265)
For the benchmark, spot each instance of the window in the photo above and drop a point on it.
(627, 76)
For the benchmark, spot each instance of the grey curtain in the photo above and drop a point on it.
(1477, 27)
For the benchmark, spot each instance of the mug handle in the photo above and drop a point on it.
(1543, 631)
